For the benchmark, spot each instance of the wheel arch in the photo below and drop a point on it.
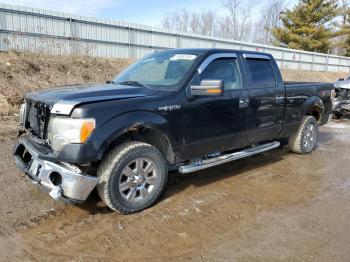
(139, 126)
(313, 107)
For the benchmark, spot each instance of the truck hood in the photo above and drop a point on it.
(64, 99)
(89, 93)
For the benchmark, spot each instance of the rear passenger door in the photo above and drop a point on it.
(267, 98)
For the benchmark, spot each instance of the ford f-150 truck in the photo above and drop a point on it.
(180, 109)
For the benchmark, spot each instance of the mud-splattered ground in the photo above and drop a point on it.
(272, 207)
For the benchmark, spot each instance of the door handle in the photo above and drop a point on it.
(243, 102)
(279, 99)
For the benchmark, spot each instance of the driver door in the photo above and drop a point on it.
(215, 124)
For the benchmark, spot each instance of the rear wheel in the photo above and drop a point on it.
(305, 140)
(132, 177)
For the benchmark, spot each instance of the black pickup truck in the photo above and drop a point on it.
(181, 109)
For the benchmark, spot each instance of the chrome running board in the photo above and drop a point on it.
(203, 164)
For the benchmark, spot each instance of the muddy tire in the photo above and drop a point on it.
(305, 140)
(132, 177)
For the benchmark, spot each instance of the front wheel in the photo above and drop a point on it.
(132, 177)
(305, 140)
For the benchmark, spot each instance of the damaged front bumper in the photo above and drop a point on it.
(63, 181)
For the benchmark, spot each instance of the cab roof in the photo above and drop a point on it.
(215, 50)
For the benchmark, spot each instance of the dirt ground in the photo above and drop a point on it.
(271, 207)
(24, 72)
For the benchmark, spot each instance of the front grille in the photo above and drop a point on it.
(35, 118)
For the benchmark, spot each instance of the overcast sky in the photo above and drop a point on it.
(148, 12)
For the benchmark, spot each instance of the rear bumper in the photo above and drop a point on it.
(62, 180)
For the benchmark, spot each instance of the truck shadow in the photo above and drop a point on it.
(324, 138)
(179, 182)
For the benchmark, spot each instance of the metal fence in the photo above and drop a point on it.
(37, 30)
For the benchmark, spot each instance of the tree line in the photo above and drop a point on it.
(310, 25)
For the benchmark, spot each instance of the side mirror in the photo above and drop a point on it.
(208, 88)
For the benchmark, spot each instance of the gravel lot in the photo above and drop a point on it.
(271, 207)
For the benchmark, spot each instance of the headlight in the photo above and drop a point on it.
(62, 131)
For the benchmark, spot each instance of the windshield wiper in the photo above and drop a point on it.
(131, 83)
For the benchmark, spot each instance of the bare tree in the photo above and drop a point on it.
(242, 20)
(343, 10)
(236, 24)
(229, 24)
(178, 20)
(270, 18)
(202, 22)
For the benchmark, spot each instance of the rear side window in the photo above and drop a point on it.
(261, 73)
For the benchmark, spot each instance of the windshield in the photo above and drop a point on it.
(160, 70)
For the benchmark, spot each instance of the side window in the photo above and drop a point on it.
(261, 73)
(225, 69)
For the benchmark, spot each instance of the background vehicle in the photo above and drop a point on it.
(342, 98)
(182, 109)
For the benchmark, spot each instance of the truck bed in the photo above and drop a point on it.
(288, 83)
